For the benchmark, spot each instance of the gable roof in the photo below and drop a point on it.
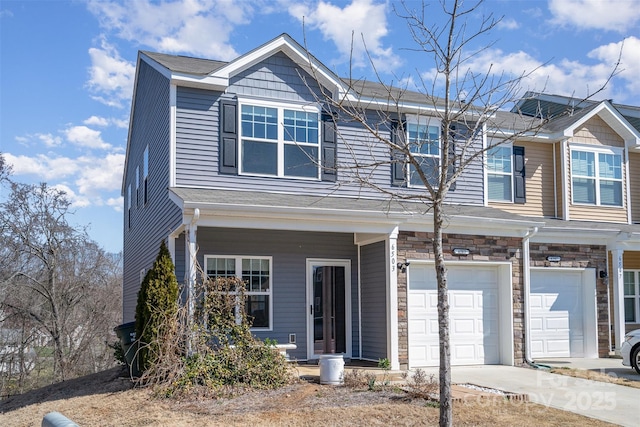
(550, 106)
(185, 64)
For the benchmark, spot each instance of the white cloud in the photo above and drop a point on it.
(76, 200)
(355, 29)
(116, 203)
(49, 140)
(86, 137)
(610, 15)
(200, 27)
(104, 122)
(44, 167)
(101, 174)
(565, 77)
(629, 64)
(85, 179)
(96, 121)
(110, 77)
(508, 24)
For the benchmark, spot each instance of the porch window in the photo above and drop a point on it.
(255, 272)
(281, 141)
(632, 296)
(596, 177)
(423, 138)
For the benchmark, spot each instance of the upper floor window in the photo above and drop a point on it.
(255, 272)
(280, 141)
(596, 177)
(505, 166)
(137, 186)
(631, 296)
(129, 205)
(500, 173)
(145, 175)
(423, 137)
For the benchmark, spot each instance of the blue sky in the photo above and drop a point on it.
(67, 68)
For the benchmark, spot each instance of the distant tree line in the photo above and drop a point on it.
(60, 292)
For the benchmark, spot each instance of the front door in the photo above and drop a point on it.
(328, 283)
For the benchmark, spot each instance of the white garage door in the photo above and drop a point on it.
(474, 328)
(556, 314)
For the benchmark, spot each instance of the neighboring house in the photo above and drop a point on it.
(233, 164)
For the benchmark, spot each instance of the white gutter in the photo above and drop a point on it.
(526, 279)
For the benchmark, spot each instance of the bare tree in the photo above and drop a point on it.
(58, 284)
(464, 102)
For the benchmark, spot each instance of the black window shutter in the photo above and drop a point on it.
(398, 160)
(519, 193)
(329, 148)
(228, 136)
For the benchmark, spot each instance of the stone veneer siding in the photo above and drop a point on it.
(418, 245)
(581, 256)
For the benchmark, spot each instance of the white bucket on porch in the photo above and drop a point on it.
(331, 369)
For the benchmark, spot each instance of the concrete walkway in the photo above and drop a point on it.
(604, 401)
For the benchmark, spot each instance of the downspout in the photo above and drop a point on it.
(359, 302)
(555, 183)
(526, 279)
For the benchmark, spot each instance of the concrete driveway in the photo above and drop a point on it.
(605, 401)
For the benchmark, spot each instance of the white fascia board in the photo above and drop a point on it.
(244, 218)
(200, 82)
(293, 212)
(575, 235)
(471, 225)
(501, 133)
(614, 119)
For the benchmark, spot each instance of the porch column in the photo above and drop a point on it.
(191, 266)
(392, 299)
(618, 297)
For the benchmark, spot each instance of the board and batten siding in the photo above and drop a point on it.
(150, 222)
(373, 291)
(290, 250)
(539, 183)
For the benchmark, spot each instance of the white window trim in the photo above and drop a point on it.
(238, 259)
(635, 296)
(423, 121)
(281, 106)
(597, 150)
(491, 143)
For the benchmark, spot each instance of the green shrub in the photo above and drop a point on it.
(156, 307)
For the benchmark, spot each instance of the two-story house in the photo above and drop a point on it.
(242, 169)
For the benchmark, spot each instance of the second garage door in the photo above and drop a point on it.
(561, 312)
(474, 327)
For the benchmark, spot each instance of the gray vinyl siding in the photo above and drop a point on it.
(150, 223)
(277, 78)
(373, 291)
(290, 251)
